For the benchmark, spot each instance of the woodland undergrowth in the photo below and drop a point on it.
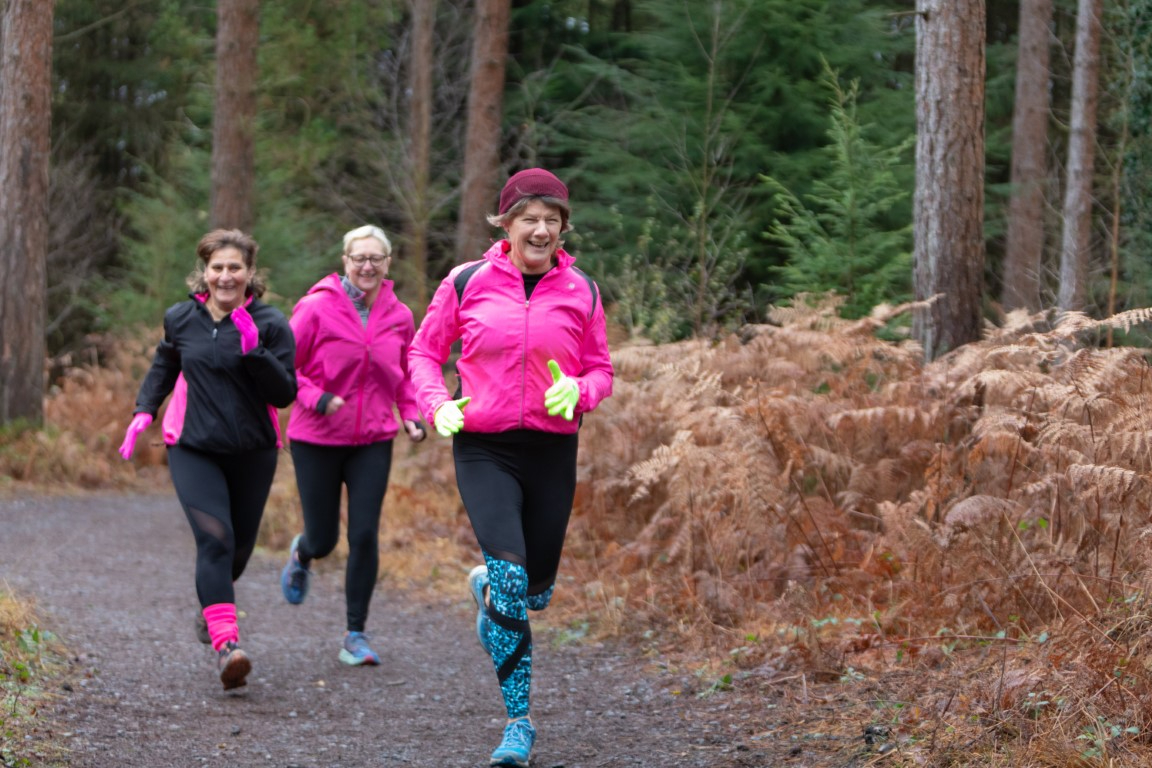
(961, 548)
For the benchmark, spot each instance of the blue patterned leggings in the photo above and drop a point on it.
(509, 633)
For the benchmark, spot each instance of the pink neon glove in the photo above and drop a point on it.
(138, 424)
(249, 336)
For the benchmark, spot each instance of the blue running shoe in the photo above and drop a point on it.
(356, 651)
(477, 583)
(516, 748)
(294, 577)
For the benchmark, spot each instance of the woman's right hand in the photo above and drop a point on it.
(449, 417)
(335, 404)
(138, 424)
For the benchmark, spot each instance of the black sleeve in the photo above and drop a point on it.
(272, 363)
(161, 377)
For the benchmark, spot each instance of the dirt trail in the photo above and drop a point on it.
(112, 576)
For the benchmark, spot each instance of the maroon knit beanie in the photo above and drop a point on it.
(530, 182)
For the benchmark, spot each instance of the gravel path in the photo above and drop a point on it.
(112, 577)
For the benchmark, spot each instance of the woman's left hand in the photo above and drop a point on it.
(244, 323)
(415, 431)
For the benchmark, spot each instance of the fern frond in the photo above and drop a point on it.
(1129, 318)
(1088, 480)
(1072, 322)
(975, 512)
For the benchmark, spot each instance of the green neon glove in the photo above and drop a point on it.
(449, 417)
(560, 399)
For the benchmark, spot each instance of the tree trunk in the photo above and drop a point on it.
(1023, 261)
(233, 124)
(420, 136)
(25, 122)
(485, 113)
(948, 211)
(1074, 250)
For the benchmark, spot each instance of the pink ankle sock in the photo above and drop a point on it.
(221, 618)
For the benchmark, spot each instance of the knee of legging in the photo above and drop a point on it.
(508, 588)
(319, 547)
(212, 550)
(540, 601)
(364, 542)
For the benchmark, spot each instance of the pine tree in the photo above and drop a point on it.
(838, 238)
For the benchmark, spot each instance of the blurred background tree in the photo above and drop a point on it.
(664, 116)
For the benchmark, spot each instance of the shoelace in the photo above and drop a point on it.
(518, 735)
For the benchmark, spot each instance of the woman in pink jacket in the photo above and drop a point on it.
(352, 337)
(534, 358)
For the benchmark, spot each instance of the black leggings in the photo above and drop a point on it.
(223, 495)
(321, 471)
(518, 489)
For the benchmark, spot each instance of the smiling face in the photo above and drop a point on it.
(227, 276)
(534, 234)
(366, 264)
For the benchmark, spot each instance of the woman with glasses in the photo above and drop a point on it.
(352, 337)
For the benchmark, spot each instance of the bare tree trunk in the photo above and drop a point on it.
(420, 136)
(948, 211)
(485, 113)
(233, 124)
(25, 122)
(1074, 250)
(1024, 257)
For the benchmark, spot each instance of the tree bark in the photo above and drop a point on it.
(485, 119)
(25, 122)
(420, 136)
(233, 124)
(1024, 258)
(948, 210)
(1075, 244)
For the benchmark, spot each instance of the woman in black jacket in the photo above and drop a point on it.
(233, 356)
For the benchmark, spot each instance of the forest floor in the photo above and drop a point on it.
(111, 578)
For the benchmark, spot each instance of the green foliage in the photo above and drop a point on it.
(1130, 89)
(167, 218)
(26, 661)
(664, 126)
(842, 237)
(123, 78)
(661, 115)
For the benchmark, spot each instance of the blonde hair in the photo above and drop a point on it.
(367, 230)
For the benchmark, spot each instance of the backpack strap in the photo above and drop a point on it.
(463, 277)
(591, 288)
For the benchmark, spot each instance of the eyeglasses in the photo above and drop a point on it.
(358, 259)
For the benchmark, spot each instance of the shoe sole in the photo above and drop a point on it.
(508, 762)
(235, 670)
(354, 661)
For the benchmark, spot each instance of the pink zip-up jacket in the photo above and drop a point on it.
(506, 343)
(366, 365)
